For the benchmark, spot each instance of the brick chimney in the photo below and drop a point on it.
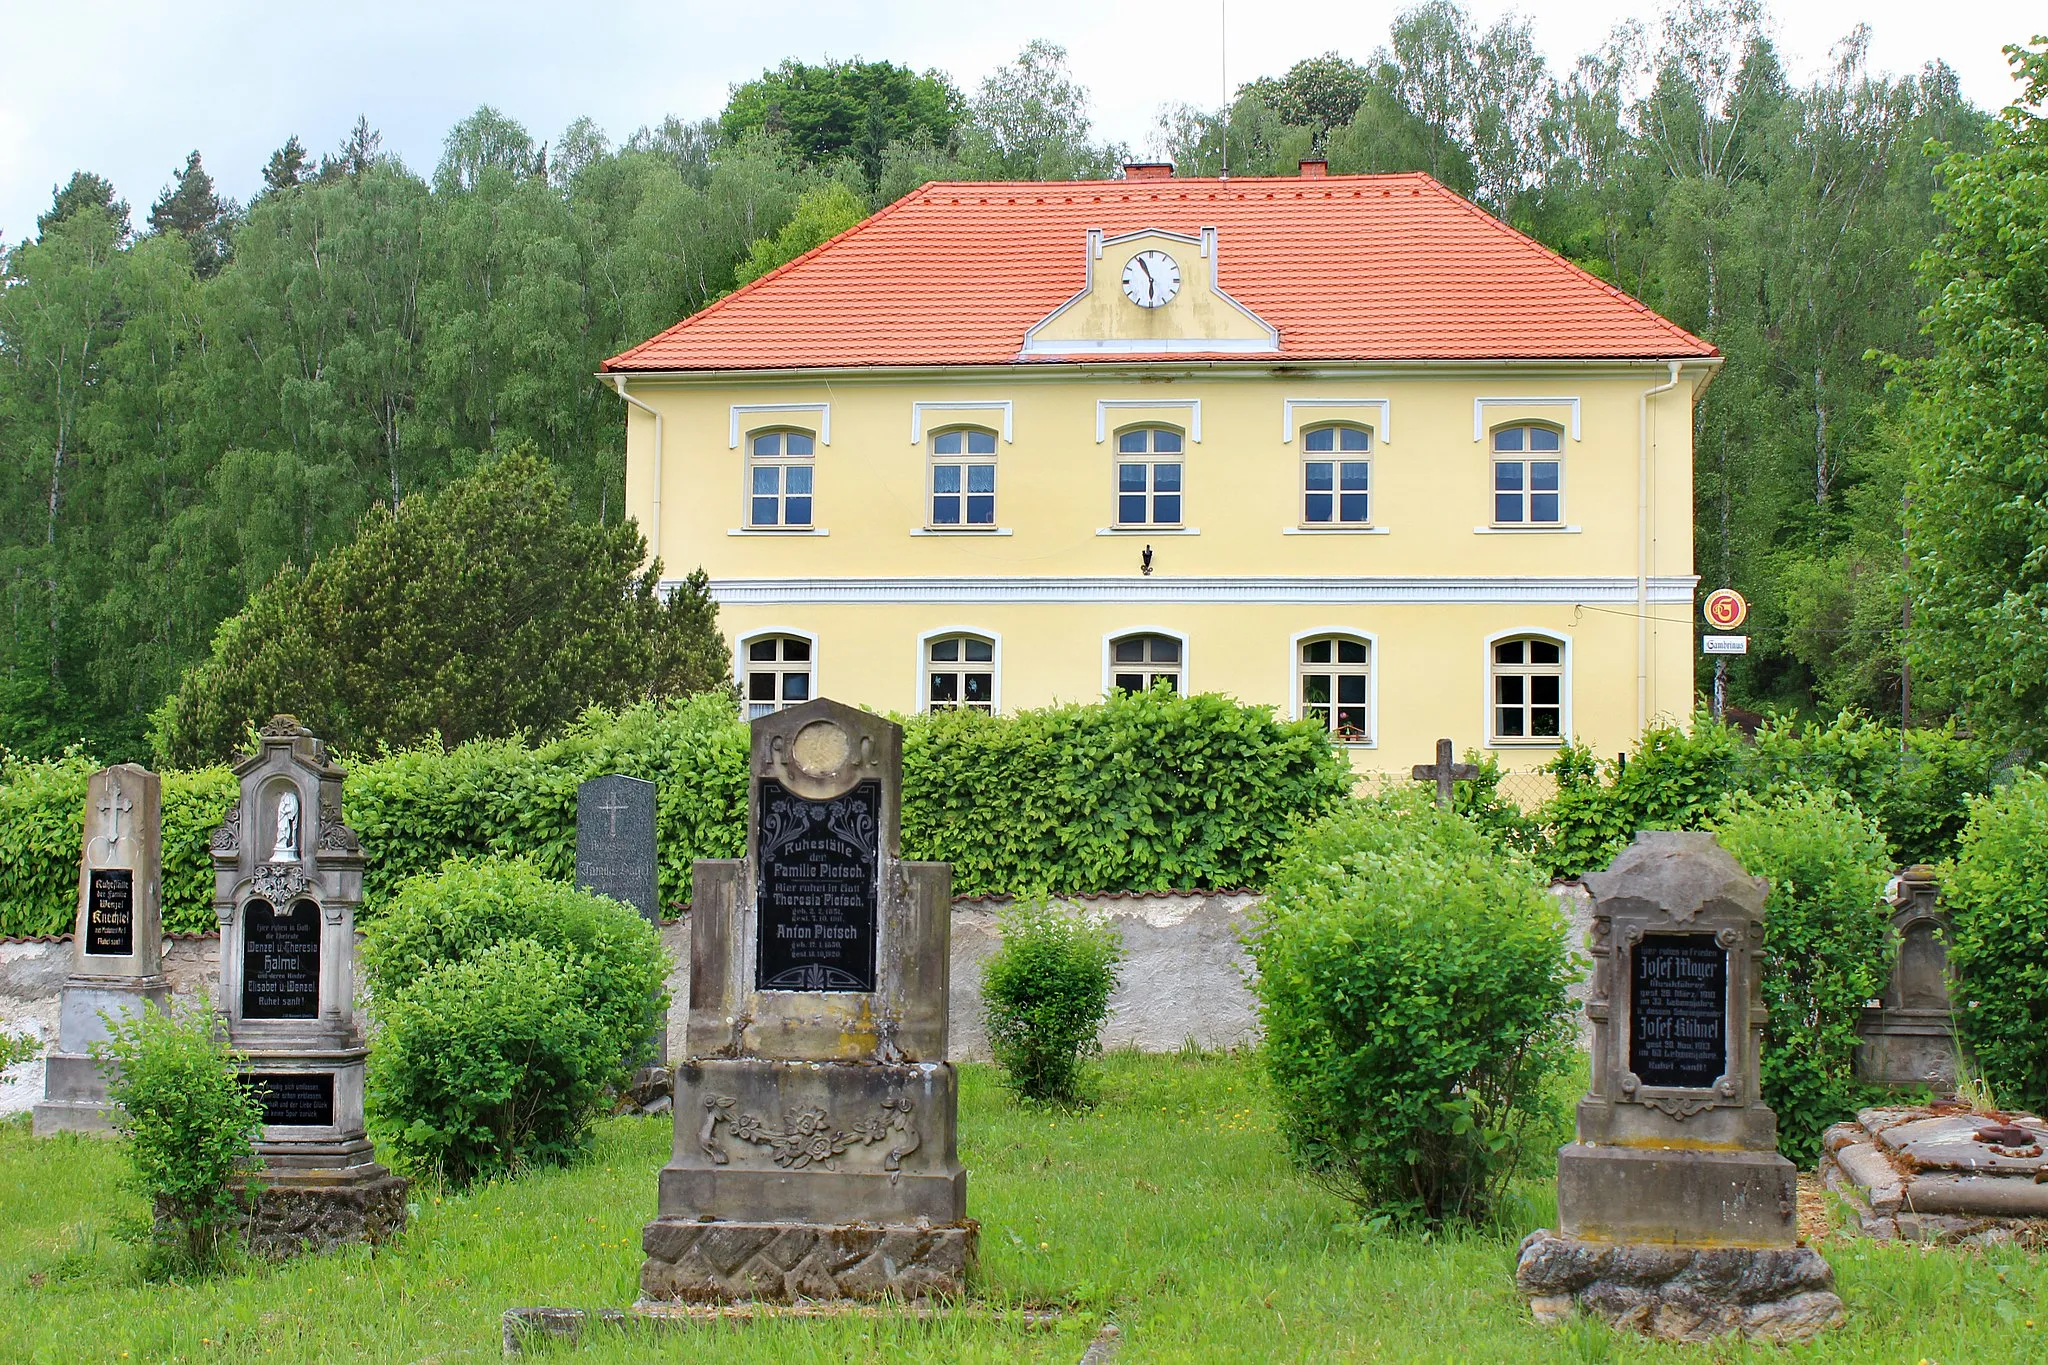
(1148, 170)
(1314, 170)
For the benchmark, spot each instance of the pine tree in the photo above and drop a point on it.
(84, 191)
(287, 166)
(190, 207)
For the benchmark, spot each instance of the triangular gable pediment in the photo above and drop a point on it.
(1199, 318)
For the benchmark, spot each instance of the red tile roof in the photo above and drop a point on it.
(1348, 267)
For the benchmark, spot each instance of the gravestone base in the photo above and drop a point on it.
(1907, 1047)
(74, 1088)
(691, 1261)
(294, 1211)
(1924, 1174)
(1677, 1195)
(1680, 1293)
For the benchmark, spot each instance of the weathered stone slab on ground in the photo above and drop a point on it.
(1942, 1174)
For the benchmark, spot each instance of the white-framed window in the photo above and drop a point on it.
(1141, 662)
(1148, 477)
(963, 495)
(960, 672)
(1528, 476)
(1336, 476)
(777, 672)
(779, 479)
(1334, 685)
(1526, 689)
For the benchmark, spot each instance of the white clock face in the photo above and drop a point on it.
(1151, 279)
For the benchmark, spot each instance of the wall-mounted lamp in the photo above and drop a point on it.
(1145, 562)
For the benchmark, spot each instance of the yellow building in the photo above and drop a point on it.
(1344, 445)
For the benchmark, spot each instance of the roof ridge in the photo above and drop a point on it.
(1613, 290)
(719, 303)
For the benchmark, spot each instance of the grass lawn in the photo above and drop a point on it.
(1170, 1209)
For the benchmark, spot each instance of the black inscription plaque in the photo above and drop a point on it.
(300, 1098)
(281, 961)
(1678, 1011)
(819, 888)
(110, 912)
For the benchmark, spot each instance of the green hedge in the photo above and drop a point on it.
(1131, 794)
(1997, 891)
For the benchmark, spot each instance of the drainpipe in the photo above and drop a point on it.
(654, 515)
(1643, 543)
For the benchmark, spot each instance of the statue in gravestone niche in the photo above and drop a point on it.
(287, 987)
(117, 944)
(1676, 1214)
(286, 848)
(814, 1109)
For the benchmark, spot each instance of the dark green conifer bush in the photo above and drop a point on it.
(1411, 981)
(1045, 994)
(1996, 890)
(506, 1005)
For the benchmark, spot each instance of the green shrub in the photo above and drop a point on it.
(1144, 792)
(1996, 891)
(1673, 779)
(1412, 984)
(1045, 994)
(16, 1048)
(1827, 950)
(1133, 794)
(506, 1003)
(190, 1124)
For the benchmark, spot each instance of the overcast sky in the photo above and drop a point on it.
(127, 89)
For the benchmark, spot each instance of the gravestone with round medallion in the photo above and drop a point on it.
(287, 877)
(815, 1109)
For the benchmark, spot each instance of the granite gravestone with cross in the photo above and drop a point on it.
(116, 943)
(814, 1130)
(615, 854)
(1676, 1214)
(1444, 772)
(287, 877)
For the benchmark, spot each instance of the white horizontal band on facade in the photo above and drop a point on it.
(1672, 590)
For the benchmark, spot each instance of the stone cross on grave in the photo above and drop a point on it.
(115, 805)
(1444, 772)
(612, 807)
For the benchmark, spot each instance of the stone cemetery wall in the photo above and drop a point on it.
(1183, 978)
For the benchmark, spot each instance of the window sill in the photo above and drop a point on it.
(1527, 530)
(1334, 531)
(777, 531)
(1148, 530)
(962, 531)
(1525, 744)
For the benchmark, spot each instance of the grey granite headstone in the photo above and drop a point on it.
(117, 943)
(815, 1112)
(1676, 1214)
(615, 842)
(615, 855)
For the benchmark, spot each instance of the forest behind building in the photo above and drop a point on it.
(199, 395)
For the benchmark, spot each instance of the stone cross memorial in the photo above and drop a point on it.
(287, 877)
(814, 1112)
(1676, 1214)
(1444, 772)
(116, 943)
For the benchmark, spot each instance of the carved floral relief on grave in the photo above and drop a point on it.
(807, 1135)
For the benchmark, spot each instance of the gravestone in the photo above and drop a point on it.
(1676, 1214)
(287, 877)
(815, 1111)
(1909, 1036)
(615, 855)
(1444, 772)
(116, 943)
